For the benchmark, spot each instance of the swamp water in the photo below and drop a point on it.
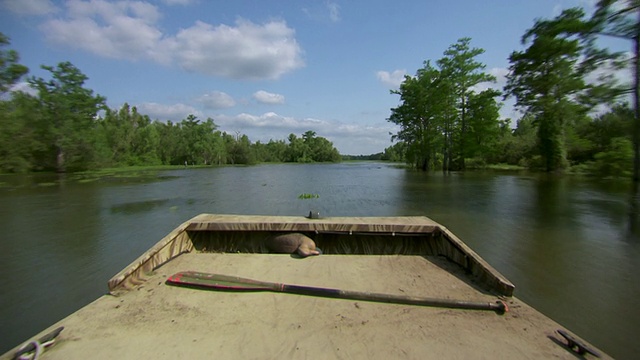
(569, 245)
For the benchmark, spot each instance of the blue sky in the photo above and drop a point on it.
(267, 68)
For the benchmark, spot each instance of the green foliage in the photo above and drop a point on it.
(442, 119)
(544, 78)
(461, 72)
(548, 81)
(396, 152)
(308, 196)
(19, 144)
(310, 148)
(616, 161)
(370, 157)
(68, 118)
(483, 129)
(59, 130)
(476, 163)
(17, 139)
(10, 70)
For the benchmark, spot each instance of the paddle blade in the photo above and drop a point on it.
(220, 282)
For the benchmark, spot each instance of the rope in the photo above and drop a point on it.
(35, 353)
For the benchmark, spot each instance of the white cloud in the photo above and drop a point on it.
(334, 11)
(129, 30)
(500, 74)
(24, 87)
(268, 98)
(112, 12)
(178, 2)
(217, 100)
(269, 121)
(588, 6)
(393, 79)
(323, 11)
(246, 51)
(501, 80)
(123, 30)
(175, 112)
(347, 138)
(30, 7)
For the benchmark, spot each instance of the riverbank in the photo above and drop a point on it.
(150, 173)
(114, 175)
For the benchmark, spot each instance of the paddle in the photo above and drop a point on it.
(225, 282)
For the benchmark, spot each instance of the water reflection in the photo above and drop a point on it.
(138, 206)
(50, 239)
(634, 213)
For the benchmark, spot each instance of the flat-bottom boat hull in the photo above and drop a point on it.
(154, 320)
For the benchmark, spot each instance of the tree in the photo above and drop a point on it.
(547, 80)
(298, 150)
(20, 143)
(118, 128)
(438, 110)
(275, 151)
(146, 140)
(621, 19)
(308, 136)
(482, 126)
(170, 146)
(395, 152)
(69, 112)
(17, 138)
(462, 72)
(10, 70)
(421, 116)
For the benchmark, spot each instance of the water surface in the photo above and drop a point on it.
(565, 242)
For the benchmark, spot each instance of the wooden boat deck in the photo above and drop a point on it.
(165, 322)
(155, 320)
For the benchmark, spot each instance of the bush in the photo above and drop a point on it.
(475, 163)
(617, 161)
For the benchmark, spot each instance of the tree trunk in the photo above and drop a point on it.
(445, 155)
(636, 105)
(463, 133)
(60, 161)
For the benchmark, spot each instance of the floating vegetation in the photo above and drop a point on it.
(308, 196)
(47, 184)
(87, 180)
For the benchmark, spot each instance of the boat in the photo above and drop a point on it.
(383, 287)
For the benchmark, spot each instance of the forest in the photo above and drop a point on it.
(67, 128)
(575, 116)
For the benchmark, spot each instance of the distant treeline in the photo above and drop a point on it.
(376, 157)
(65, 127)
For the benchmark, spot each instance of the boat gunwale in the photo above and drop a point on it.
(178, 242)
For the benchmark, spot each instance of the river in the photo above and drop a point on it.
(567, 243)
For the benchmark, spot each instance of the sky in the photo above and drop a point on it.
(267, 68)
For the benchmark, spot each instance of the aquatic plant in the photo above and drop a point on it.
(308, 196)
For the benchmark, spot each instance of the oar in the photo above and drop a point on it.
(225, 282)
